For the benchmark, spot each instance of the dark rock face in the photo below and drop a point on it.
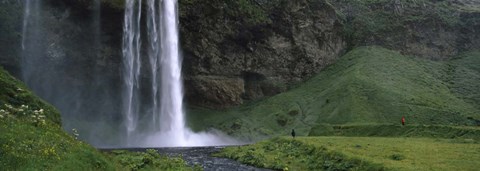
(227, 58)
(429, 29)
(234, 50)
(10, 35)
(227, 63)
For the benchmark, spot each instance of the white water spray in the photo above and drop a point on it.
(131, 63)
(26, 17)
(166, 120)
(31, 47)
(172, 90)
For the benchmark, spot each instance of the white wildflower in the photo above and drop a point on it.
(1, 116)
(41, 110)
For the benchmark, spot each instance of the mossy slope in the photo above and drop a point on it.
(369, 85)
(31, 138)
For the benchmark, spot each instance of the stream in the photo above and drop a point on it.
(202, 156)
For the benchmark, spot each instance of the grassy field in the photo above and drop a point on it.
(430, 131)
(31, 138)
(367, 86)
(359, 153)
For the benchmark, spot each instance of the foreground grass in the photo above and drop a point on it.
(367, 86)
(26, 146)
(406, 153)
(149, 160)
(29, 147)
(31, 138)
(358, 153)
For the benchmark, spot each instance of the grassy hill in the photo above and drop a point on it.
(367, 86)
(31, 138)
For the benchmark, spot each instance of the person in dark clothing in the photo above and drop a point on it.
(403, 120)
(293, 133)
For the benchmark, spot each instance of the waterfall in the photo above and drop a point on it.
(26, 17)
(153, 27)
(167, 115)
(131, 63)
(163, 124)
(172, 113)
(31, 36)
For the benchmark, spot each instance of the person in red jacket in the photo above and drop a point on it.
(403, 120)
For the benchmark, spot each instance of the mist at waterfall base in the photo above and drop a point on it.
(140, 112)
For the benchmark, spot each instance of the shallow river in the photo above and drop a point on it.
(202, 156)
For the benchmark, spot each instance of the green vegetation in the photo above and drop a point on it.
(285, 154)
(372, 21)
(31, 136)
(463, 75)
(32, 139)
(149, 160)
(242, 20)
(367, 86)
(16, 98)
(354, 153)
(117, 4)
(432, 131)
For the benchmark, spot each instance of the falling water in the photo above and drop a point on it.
(32, 49)
(165, 120)
(131, 63)
(26, 17)
(172, 113)
(153, 26)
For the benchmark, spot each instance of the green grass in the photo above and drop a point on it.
(431, 131)
(464, 75)
(31, 138)
(285, 154)
(358, 153)
(149, 160)
(367, 86)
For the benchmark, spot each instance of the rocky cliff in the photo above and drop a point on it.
(429, 29)
(233, 50)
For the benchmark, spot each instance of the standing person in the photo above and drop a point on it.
(293, 133)
(403, 120)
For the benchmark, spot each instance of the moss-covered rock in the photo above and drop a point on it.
(269, 45)
(425, 28)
